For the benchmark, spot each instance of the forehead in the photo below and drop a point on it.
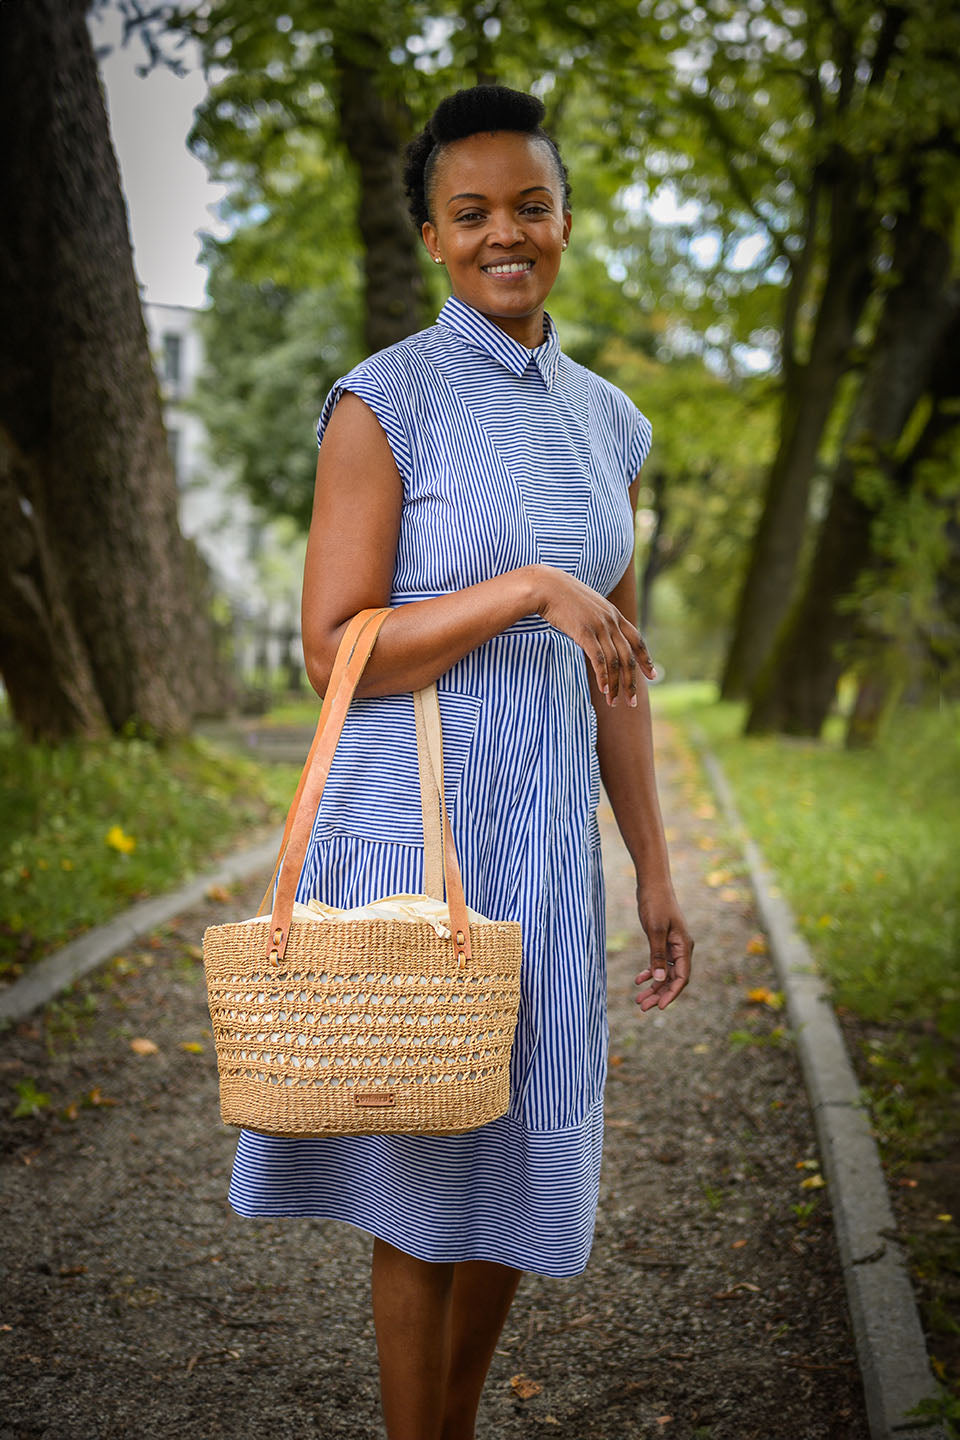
(489, 161)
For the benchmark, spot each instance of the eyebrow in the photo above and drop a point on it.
(471, 195)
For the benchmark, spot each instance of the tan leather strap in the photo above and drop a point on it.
(355, 647)
(429, 798)
(347, 639)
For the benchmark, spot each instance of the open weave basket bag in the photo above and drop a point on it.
(339, 1025)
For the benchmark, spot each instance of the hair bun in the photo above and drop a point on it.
(485, 107)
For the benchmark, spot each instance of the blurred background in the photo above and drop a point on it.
(203, 226)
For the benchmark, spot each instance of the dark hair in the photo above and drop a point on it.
(471, 112)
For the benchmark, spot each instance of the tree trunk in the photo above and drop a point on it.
(876, 697)
(797, 686)
(375, 127)
(809, 393)
(96, 626)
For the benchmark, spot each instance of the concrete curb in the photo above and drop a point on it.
(56, 971)
(890, 1343)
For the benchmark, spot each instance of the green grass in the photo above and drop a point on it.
(170, 811)
(865, 845)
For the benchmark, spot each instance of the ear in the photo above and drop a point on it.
(428, 232)
(567, 222)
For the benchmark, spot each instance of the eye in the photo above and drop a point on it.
(470, 215)
(536, 210)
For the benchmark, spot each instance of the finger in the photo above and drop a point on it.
(657, 937)
(628, 667)
(639, 647)
(600, 669)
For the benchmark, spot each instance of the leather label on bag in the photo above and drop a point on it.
(374, 1097)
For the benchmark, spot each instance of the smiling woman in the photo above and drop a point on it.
(482, 485)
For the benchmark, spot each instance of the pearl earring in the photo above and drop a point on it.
(564, 245)
(438, 259)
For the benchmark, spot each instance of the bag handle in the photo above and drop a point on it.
(353, 652)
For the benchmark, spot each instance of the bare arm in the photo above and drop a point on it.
(350, 561)
(625, 753)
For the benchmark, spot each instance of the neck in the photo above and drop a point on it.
(528, 330)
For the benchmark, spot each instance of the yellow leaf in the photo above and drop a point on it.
(218, 892)
(94, 1097)
(702, 1048)
(71, 1111)
(705, 811)
(523, 1388)
(718, 877)
(730, 894)
(762, 996)
(813, 1182)
(808, 1164)
(757, 945)
(945, 1218)
(119, 840)
(143, 1046)
(737, 1244)
(66, 864)
(825, 921)
(193, 1046)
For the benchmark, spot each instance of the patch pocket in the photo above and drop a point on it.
(373, 789)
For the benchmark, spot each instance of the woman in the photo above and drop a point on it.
(479, 481)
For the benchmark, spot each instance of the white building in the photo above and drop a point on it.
(257, 564)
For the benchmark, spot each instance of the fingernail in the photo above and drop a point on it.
(633, 699)
(606, 689)
(659, 974)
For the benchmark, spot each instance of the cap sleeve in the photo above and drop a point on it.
(640, 442)
(385, 402)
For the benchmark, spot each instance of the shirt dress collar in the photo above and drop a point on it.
(470, 325)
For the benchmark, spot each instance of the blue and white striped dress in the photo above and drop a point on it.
(509, 457)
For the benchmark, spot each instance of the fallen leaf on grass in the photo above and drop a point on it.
(118, 840)
(524, 1388)
(701, 1048)
(194, 1046)
(912, 1184)
(715, 878)
(731, 895)
(945, 1218)
(808, 1164)
(218, 892)
(813, 1182)
(664, 1419)
(757, 945)
(73, 1270)
(737, 1244)
(142, 1046)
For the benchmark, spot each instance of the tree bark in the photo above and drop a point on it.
(374, 128)
(796, 688)
(809, 393)
(97, 631)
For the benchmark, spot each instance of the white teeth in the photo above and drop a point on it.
(514, 268)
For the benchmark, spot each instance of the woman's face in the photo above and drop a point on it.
(500, 227)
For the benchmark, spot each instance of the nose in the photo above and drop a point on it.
(505, 229)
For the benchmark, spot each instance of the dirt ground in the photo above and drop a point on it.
(136, 1304)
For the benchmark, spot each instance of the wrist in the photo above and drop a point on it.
(531, 588)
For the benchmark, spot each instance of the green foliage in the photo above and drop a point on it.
(864, 845)
(30, 1100)
(90, 826)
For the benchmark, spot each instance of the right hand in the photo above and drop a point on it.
(613, 646)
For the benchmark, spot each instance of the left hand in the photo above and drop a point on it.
(671, 947)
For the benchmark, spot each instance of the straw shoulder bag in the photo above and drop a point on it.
(397, 1016)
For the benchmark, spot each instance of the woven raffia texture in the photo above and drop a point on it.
(364, 1028)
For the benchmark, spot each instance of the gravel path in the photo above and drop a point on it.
(136, 1304)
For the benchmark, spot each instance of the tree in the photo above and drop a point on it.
(797, 686)
(100, 622)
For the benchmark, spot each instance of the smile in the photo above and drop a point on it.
(510, 267)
